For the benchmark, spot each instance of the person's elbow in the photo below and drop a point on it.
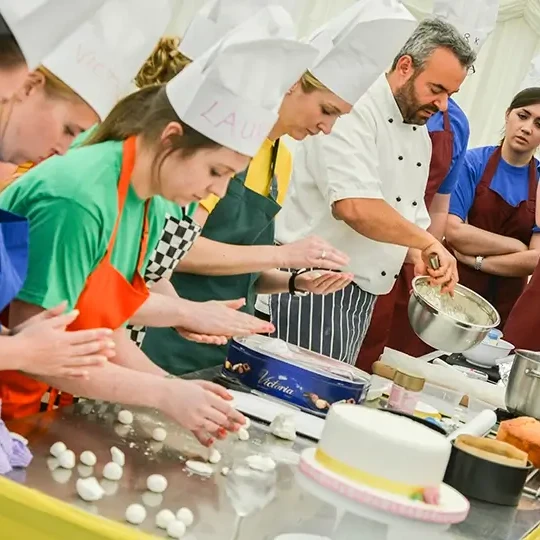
(454, 229)
(355, 211)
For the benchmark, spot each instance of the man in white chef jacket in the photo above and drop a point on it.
(362, 189)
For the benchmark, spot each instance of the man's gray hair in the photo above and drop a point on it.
(432, 34)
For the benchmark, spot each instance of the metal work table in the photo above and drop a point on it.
(93, 426)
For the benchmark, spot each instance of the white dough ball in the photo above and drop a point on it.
(156, 483)
(176, 529)
(164, 517)
(243, 434)
(225, 471)
(118, 456)
(67, 459)
(112, 471)
(125, 417)
(261, 463)
(185, 515)
(88, 458)
(159, 434)
(215, 456)
(247, 425)
(89, 489)
(135, 514)
(57, 449)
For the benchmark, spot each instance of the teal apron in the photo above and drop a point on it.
(244, 218)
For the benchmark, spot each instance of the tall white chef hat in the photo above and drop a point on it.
(99, 59)
(214, 20)
(40, 25)
(359, 44)
(233, 92)
(475, 19)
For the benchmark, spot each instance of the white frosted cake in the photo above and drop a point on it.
(384, 451)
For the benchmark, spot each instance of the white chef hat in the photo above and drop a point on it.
(533, 75)
(214, 20)
(99, 59)
(233, 92)
(475, 19)
(40, 25)
(359, 44)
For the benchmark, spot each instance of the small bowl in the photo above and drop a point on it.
(445, 400)
(488, 354)
(485, 480)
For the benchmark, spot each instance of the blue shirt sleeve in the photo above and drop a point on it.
(469, 177)
(461, 130)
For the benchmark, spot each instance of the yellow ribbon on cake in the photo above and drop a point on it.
(362, 477)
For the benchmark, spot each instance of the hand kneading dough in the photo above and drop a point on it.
(185, 515)
(135, 514)
(156, 483)
(89, 489)
(176, 529)
(88, 458)
(164, 517)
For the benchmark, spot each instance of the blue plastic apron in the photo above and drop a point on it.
(14, 231)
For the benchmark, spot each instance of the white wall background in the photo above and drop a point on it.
(503, 62)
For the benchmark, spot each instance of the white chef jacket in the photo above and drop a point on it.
(370, 154)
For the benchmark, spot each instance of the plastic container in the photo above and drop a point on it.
(405, 392)
(443, 399)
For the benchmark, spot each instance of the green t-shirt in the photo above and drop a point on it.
(71, 204)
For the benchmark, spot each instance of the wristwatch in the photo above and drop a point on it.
(293, 291)
(478, 262)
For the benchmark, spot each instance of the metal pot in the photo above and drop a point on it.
(523, 389)
(447, 333)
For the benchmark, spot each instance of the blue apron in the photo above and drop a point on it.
(14, 231)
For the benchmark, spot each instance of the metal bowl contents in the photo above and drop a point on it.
(452, 324)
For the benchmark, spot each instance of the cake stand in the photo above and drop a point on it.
(369, 513)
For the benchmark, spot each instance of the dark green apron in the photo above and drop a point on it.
(244, 218)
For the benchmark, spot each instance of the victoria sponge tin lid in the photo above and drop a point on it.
(300, 357)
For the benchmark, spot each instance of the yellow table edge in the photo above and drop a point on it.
(26, 513)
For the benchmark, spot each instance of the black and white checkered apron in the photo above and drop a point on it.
(176, 240)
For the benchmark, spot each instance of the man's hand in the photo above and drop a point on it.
(446, 275)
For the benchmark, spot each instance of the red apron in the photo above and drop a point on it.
(21, 395)
(523, 324)
(390, 323)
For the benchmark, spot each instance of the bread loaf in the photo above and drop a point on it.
(523, 433)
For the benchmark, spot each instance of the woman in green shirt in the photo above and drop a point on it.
(94, 212)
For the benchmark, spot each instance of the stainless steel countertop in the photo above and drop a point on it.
(91, 426)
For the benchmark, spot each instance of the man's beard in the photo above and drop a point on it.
(410, 107)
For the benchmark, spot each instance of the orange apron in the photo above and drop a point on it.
(21, 395)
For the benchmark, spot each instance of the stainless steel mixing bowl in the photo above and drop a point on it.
(429, 317)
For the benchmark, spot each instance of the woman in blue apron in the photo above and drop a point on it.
(40, 346)
(224, 264)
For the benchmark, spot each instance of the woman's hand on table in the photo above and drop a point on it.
(207, 339)
(322, 281)
(222, 320)
(311, 252)
(202, 407)
(46, 348)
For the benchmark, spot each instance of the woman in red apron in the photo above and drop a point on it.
(491, 226)
(390, 325)
(94, 212)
